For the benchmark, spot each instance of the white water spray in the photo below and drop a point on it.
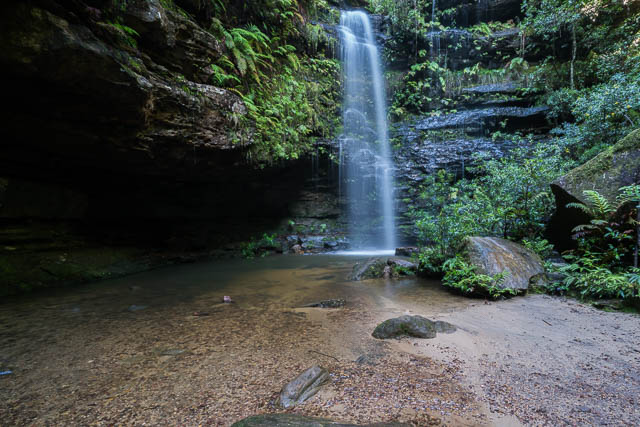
(368, 169)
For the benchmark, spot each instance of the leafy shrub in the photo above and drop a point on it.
(590, 279)
(542, 247)
(462, 277)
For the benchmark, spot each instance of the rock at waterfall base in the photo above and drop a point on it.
(493, 255)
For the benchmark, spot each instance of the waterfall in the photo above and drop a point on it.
(364, 145)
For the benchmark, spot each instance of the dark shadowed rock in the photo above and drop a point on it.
(295, 420)
(412, 326)
(616, 167)
(303, 386)
(493, 255)
(487, 118)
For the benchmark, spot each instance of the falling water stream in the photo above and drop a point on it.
(367, 168)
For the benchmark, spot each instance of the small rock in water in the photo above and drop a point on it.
(329, 303)
(200, 313)
(303, 387)
(134, 307)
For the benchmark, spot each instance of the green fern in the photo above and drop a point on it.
(597, 205)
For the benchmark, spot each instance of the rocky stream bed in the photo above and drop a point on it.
(160, 348)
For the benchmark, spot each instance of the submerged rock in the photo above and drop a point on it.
(295, 420)
(493, 255)
(412, 326)
(303, 386)
(329, 303)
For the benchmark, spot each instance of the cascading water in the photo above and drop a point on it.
(367, 168)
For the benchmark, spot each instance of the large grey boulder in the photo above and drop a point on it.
(303, 386)
(411, 326)
(295, 420)
(616, 167)
(493, 255)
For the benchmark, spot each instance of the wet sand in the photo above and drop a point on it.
(131, 351)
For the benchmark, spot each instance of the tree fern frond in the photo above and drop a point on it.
(584, 208)
(601, 205)
(241, 62)
(583, 227)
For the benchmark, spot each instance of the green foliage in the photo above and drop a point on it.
(291, 98)
(445, 218)
(605, 103)
(587, 276)
(517, 189)
(509, 197)
(462, 277)
(259, 247)
(540, 246)
(288, 109)
(598, 268)
(605, 234)
(430, 260)
(603, 113)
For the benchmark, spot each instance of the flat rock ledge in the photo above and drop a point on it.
(411, 326)
(295, 420)
(303, 387)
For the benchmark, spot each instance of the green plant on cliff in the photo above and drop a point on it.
(290, 108)
(290, 91)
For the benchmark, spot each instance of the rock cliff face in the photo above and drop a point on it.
(472, 112)
(113, 136)
(83, 98)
